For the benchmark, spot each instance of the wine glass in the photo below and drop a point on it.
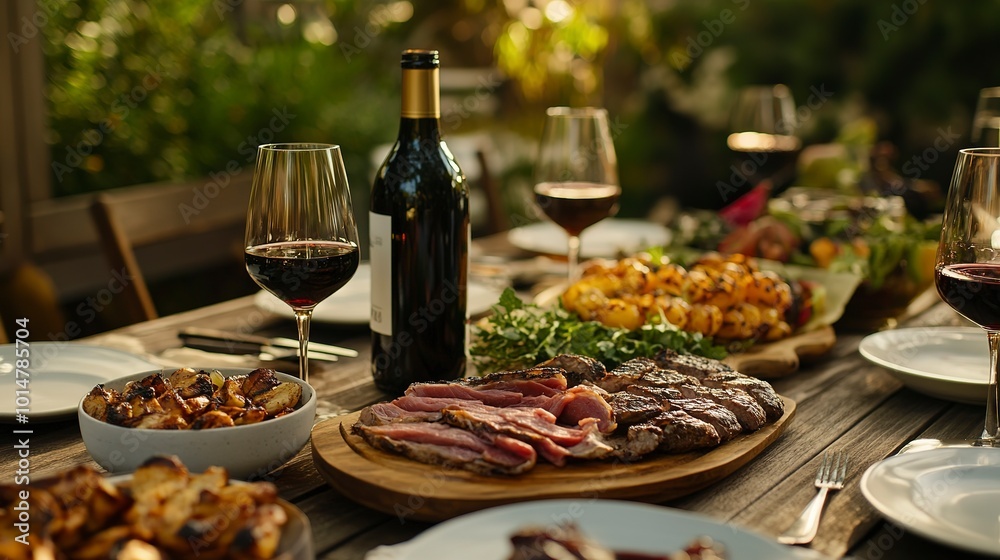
(762, 126)
(967, 271)
(301, 238)
(576, 175)
(986, 121)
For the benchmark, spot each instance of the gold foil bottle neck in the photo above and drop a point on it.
(420, 94)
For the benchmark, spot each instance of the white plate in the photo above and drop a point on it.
(351, 305)
(950, 495)
(950, 363)
(621, 526)
(606, 238)
(59, 375)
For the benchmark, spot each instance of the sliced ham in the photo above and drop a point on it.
(442, 444)
(490, 422)
(430, 404)
(389, 413)
(544, 381)
(492, 397)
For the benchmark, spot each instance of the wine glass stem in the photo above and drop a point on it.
(573, 255)
(990, 432)
(302, 317)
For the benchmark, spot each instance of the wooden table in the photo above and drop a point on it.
(843, 403)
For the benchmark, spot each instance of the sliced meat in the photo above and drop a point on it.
(442, 444)
(633, 409)
(689, 364)
(626, 374)
(761, 391)
(573, 406)
(682, 432)
(724, 421)
(544, 423)
(560, 542)
(430, 404)
(578, 369)
(749, 414)
(388, 413)
(537, 381)
(661, 394)
(492, 397)
(666, 378)
(640, 440)
(489, 423)
(534, 426)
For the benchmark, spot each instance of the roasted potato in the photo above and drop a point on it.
(197, 400)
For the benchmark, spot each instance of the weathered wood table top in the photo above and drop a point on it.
(843, 403)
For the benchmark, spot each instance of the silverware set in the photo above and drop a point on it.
(264, 348)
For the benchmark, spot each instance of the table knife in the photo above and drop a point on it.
(280, 342)
(263, 352)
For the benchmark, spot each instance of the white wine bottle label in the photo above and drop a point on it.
(380, 251)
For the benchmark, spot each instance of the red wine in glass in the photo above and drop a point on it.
(577, 205)
(966, 273)
(302, 273)
(972, 289)
(301, 240)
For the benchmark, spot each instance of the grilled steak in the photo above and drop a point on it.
(440, 444)
(673, 431)
(632, 409)
(578, 369)
(689, 364)
(629, 373)
(713, 373)
(750, 414)
(724, 421)
(643, 371)
(761, 391)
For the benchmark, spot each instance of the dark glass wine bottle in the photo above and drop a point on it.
(419, 236)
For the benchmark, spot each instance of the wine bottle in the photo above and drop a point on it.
(419, 237)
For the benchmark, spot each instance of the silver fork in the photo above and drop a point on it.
(831, 475)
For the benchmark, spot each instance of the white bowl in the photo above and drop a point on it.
(248, 452)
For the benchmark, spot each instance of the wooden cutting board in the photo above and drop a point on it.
(782, 357)
(410, 490)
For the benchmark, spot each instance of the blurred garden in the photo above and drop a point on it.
(141, 92)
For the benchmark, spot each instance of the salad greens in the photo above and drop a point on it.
(519, 335)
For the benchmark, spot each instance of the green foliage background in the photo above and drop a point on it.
(668, 70)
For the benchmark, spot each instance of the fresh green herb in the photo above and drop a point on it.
(519, 335)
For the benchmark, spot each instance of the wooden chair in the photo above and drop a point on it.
(118, 250)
